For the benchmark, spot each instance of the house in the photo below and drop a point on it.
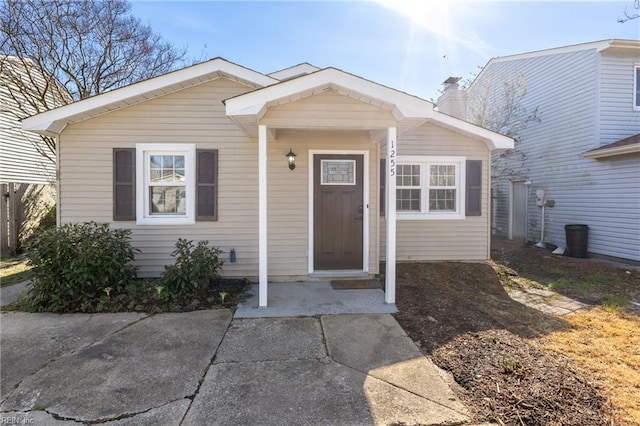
(20, 159)
(581, 159)
(26, 174)
(283, 168)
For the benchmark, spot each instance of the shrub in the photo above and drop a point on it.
(73, 265)
(195, 267)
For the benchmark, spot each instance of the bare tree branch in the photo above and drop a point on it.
(496, 104)
(54, 52)
(628, 16)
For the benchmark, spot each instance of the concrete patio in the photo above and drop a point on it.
(313, 298)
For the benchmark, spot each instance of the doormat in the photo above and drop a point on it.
(355, 284)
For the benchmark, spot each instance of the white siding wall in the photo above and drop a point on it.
(603, 194)
(618, 119)
(465, 239)
(20, 161)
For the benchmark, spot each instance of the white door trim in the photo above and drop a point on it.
(365, 204)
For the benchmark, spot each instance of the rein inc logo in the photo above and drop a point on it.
(16, 421)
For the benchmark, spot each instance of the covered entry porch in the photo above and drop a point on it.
(367, 117)
(327, 118)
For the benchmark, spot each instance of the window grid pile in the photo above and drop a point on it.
(167, 184)
(408, 188)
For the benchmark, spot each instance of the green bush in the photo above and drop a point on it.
(195, 267)
(73, 265)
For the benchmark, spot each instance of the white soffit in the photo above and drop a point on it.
(53, 122)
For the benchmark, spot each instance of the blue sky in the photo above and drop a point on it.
(411, 45)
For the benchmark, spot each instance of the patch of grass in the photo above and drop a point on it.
(557, 271)
(600, 279)
(614, 303)
(579, 286)
(604, 345)
(13, 270)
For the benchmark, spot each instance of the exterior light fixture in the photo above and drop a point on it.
(291, 158)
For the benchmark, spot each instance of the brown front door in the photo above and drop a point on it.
(337, 211)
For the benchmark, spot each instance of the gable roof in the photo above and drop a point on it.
(402, 104)
(616, 46)
(52, 122)
(628, 145)
(294, 71)
(410, 111)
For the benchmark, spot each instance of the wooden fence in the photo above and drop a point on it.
(22, 206)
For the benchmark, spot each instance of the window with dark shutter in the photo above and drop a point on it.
(124, 184)
(474, 188)
(207, 185)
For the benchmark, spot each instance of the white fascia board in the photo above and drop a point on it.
(296, 70)
(51, 121)
(597, 45)
(407, 105)
(610, 152)
(495, 141)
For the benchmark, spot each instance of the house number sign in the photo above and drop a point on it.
(392, 158)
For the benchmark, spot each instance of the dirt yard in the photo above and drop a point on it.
(515, 365)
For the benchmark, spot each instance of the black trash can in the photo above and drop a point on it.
(577, 240)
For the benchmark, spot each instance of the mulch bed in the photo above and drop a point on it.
(508, 381)
(461, 316)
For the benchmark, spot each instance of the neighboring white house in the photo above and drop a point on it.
(583, 156)
(20, 161)
(203, 153)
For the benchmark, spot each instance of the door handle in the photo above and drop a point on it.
(358, 218)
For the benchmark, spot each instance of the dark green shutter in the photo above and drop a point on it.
(124, 184)
(474, 188)
(207, 185)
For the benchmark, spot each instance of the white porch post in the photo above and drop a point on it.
(390, 274)
(262, 214)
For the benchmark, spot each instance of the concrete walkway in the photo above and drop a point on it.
(548, 301)
(205, 368)
(10, 293)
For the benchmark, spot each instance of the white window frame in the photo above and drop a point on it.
(461, 178)
(636, 98)
(143, 159)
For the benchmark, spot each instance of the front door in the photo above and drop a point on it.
(338, 211)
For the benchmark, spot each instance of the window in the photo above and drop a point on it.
(430, 187)
(636, 87)
(166, 184)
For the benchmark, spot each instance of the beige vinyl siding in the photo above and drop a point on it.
(463, 239)
(194, 115)
(288, 206)
(328, 110)
(197, 115)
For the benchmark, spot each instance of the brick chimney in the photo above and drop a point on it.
(453, 101)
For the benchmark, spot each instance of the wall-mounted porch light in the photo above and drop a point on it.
(291, 158)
